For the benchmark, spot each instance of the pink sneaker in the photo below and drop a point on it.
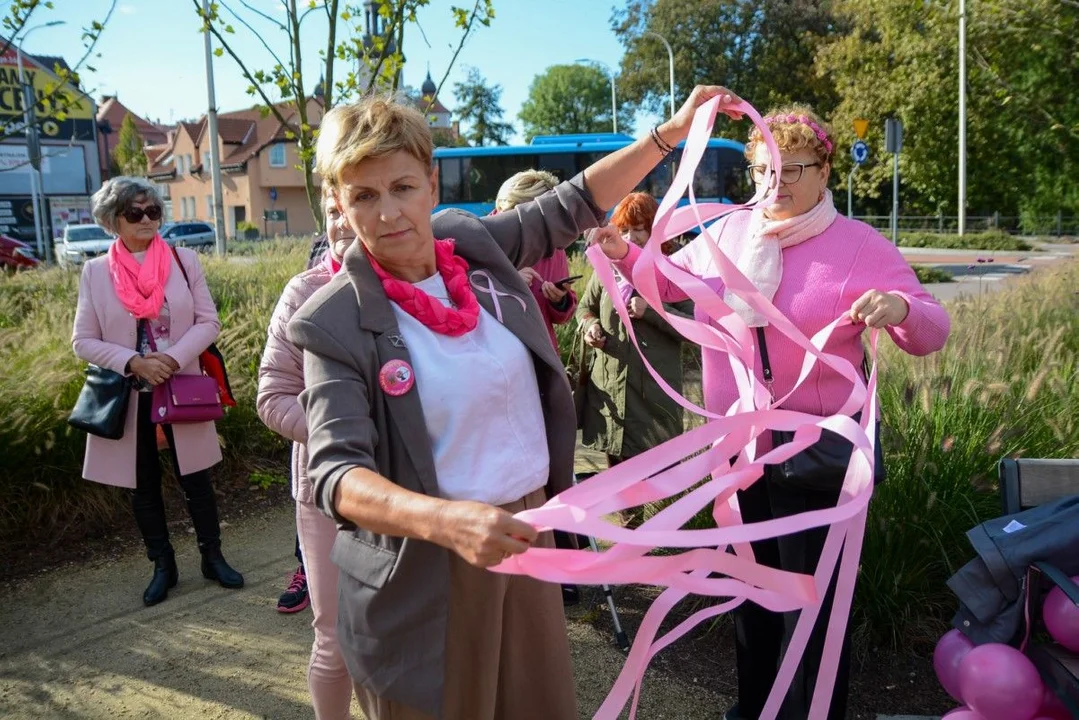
(295, 598)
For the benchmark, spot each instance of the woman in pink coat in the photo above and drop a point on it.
(129, 299)
(280, 383)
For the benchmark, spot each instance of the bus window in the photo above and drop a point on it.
(706, 181)
(449, 174)
(488, 172)
(561, 165)
(659, 180)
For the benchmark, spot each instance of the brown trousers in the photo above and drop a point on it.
(507, 652)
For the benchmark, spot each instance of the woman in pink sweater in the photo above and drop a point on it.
(280, 383)
(815, 266)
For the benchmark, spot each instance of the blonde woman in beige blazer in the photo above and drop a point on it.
(436, 408)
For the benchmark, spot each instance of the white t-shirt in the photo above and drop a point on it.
(481, 401)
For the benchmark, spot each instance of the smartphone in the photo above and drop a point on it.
(566, 282)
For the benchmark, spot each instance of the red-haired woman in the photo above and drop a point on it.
(626, 412)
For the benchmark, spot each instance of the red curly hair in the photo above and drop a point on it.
(636, 210)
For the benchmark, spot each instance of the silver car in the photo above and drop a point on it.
(79, 243)
(189, 234)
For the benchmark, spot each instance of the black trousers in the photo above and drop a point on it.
(147, 501)
(762, 636)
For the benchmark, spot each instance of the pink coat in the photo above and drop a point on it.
(281, 376)
(552, 269)
(105, 335)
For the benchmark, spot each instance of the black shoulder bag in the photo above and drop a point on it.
(102, 405)
(822, 465)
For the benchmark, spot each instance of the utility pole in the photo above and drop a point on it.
(962, 117)
(211, 120)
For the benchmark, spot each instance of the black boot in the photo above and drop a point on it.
(214, 567)
(165, 577)
(202, 505)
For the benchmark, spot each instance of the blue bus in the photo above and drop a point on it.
(469, 177)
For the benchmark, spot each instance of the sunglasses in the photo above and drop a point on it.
(134, 215)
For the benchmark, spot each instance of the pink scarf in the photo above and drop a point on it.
(141, 287)
(331, 263)
(759, 253)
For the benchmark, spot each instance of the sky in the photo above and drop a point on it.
(152, 54)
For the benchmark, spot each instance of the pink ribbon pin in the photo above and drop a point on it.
(494, 292)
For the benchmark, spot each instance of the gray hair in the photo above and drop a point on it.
(116, 195)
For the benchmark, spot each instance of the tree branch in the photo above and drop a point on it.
(264, 16)
(254, 32)
(331, 52)
(453, 60)
(243, 68)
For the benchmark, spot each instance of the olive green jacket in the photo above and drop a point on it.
(625, 410)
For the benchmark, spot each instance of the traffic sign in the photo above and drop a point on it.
(859, 152)
(275, 215)
(861, 127)
(273, 194)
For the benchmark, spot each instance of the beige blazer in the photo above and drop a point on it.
(394, 591)
(104, 335)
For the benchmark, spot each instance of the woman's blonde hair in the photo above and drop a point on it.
(371, 128)
(795, 127)
(522, 187)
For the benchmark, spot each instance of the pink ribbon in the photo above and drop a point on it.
(665, 471)
(494, 292)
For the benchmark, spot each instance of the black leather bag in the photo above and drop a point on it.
(822, 465)
(102, 405)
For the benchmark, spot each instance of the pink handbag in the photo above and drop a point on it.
(186, 399)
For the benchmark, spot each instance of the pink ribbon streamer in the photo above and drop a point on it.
(494, 292)
(678, 466)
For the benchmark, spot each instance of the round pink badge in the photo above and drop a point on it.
(396, 377)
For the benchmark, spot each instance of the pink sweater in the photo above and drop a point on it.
(281, 377)
(822, 277)
(553, 269)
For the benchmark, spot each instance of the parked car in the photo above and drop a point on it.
(189, 234)
(16, 255)
(79, 243)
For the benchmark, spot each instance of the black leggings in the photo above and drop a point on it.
(762, 636)
(147, 501)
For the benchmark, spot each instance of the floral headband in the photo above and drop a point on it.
(804, 120)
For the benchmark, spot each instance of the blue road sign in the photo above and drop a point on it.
(859, 152)
(273, 194)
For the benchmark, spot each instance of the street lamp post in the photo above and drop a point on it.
(670, 62)
(614, 99)
(962, 117)
(33, 145)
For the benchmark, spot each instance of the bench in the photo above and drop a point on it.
(1025, 484)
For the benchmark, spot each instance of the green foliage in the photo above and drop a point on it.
(901, 58)
(478, 106)
(989, 240)
(266, 480)
(762, 50)
(128, 154)
(571, 99)
(929, 274)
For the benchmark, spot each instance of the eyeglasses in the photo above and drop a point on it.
(135, 214)
(788, 175)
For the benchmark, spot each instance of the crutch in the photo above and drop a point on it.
(619, 633)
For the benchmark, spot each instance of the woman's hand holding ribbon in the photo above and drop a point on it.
(482, 534)
(879, 309)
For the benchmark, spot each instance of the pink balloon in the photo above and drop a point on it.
(963, 713)
(951, 649)
(1052, 707)
(1061, 617)
(1000, 683)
